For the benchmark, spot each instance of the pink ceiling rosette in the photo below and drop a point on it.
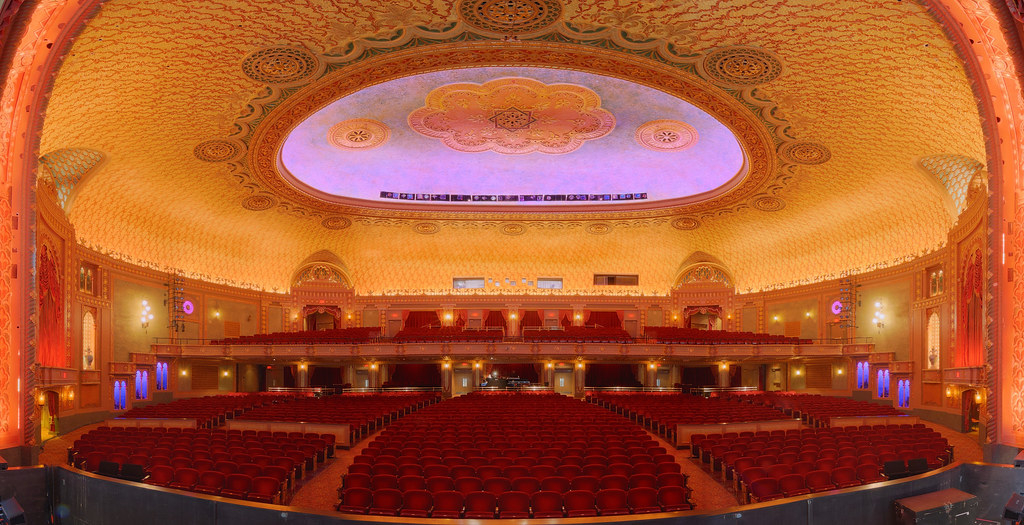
(513, 116)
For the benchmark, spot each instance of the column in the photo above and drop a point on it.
(577, 315)
(512, 319)
(547, 377)
(447, 379)
(579, 380)
(302, 377)
(723, 374)
(650, 374)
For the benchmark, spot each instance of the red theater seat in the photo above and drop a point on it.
(643, 500)
(480, 505)
(356, 500)
(611, 502)
(579, 503)
(416, 504)
(386, 502)
(514, 505)
(547, 504)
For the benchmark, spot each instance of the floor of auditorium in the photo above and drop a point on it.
(320, 491)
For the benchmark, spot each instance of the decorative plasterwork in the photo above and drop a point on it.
(358, 134)
(320, 273)
(955, 172)
(807, 153)
(513, 116)
(281, 66)
(666, 135)
(336, 223)
(686, 223)
(704, 273)
(67, 167)
(218, 150)
(510, 17)
(741, 66)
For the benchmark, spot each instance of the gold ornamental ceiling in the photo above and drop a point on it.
(837, 107)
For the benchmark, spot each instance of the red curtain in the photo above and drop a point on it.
(51, 312)
(495, 318)
(605, 319)
(531, 318)
(603, 374)
(969, 303)
(422, 319)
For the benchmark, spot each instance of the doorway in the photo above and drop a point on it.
(970, 410)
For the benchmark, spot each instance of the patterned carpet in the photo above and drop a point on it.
(320, 491)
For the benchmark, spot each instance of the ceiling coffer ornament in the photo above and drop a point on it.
(218, 150)
(510, 17)
(768, 203)
(281, 66)
(358, 134)
(666, 135)
(741, 66)
(807, 153)
(512, 116)
(336, 223)
(686, 223)
(512, 228)
(426, 228)
(259, 202)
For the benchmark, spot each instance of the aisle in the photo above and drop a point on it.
(707, 492)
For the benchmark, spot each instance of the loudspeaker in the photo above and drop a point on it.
(1014, 507)
(109, 468)
(133, 472)
(917, 466)
(3, 463)
(15, 514)
(1019, 460)
(894, 469)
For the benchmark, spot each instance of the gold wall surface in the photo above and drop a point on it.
(876, 82)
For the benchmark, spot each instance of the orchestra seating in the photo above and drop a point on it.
(660, 412)
(208, 411)
(577, 334)
(512, 455)
(816, 409)
(818, 459)
(344, 336)
(256, 466)
(447, 334)
(363, 412)
(693, 336)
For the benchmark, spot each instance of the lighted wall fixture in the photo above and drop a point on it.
(302, 366)
(184, 372)
(476, 365)
(41, 398)
(977, 397)
(578, 317)
(723, 366)
(775, 318)
(446, 365)
(146, 316)
(839, 371)
(797, 371)
(373, 366)
(226, 373)
(652, 366)
(512, 315)
(551, 365)
(807, 315)
(579, 365)
(949, 392)
(448, 316)
(879, 319)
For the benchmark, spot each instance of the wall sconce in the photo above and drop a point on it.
(226, 373)
(723, 366)
(807, 315)
(578, 317)
(977, 397)
(348, 315)
(448, 316)
(41, 398)
(146, 316)
(879, 319)
(775, 318)
(476, 365)
(796, 371)
(71, 395)
(302, 366)
(446, 365)
(512, 315)
(839, 371)
(551, 365)
(652, 366)
(373, 366)
(949, 392)
(184, 372)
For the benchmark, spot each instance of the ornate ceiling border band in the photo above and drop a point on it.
(758, 144)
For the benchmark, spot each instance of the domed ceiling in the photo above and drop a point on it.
(786, 140)
(523, 136)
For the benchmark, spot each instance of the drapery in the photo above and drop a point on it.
(970, 309)
(51, 312)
